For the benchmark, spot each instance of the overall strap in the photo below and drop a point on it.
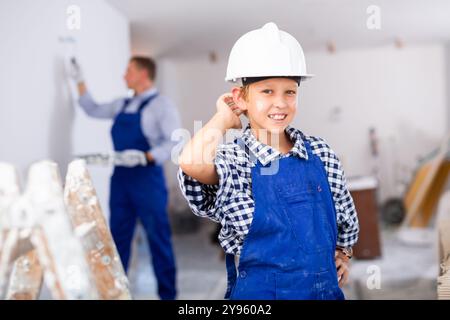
(141, 105)
(126, 102)
(146, 102)
(252, 157)
(308, 148)
(231, 274)
(307, 145)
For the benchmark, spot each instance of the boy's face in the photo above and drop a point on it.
(271, 104)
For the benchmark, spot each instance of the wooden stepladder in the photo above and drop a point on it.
(15, 237)
(428, 184)
(90, 225)
(61, 238)
(443, 280)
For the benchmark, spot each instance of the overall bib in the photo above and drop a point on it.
(288, 252)
(140, 192)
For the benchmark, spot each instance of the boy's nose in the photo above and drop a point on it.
(280, 102)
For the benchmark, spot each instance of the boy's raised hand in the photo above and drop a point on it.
(229, 111)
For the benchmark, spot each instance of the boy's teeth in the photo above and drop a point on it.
(277, 116)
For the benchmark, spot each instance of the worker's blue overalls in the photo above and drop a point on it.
(289, 250)
(140, 192)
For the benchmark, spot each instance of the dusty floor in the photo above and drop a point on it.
(406, 270)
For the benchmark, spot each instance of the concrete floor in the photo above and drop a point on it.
(407, 269)
(201, 273)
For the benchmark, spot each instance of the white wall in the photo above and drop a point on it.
(38, 119)
(194, 85)
(448, 85)
(402, 93)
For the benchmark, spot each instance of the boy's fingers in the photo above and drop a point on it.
(346, 274)
(228, 100)
(343, 275)
(340, 271)
(343, 280)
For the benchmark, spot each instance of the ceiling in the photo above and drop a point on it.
(189, 28)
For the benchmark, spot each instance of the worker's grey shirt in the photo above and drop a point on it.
(159, 119)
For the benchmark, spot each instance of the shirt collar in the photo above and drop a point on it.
(147, 93)
(265, 154)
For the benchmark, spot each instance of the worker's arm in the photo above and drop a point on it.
(197, 158)
(92, 108)
(76, 73)
(99, 110)
(82, 89)
(158, 123)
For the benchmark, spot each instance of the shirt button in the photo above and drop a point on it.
(243, 274)
(319, 188)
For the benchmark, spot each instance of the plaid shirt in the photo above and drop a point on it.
(231, 204)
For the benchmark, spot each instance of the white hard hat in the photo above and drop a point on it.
(266, 52)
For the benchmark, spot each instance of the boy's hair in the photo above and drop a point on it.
(244, 92)
(248, 81)
(146, 63)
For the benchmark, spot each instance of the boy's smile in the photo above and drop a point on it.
(279, 117)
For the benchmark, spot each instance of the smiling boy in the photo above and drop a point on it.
(287, 218)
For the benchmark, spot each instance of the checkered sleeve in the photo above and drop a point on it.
(346, 215)
(201, 198)
(209, 200)
(235, 189)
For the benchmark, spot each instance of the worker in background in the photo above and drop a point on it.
(141, 135)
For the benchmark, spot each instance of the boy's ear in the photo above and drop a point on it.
(238, 99)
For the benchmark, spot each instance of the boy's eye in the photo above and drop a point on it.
(268, 91)
(291, 92)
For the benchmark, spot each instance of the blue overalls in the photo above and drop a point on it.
(140, 192)
(289, 250)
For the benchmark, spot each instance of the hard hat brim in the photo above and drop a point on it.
(302, 77)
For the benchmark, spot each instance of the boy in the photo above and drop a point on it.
(287, 218)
